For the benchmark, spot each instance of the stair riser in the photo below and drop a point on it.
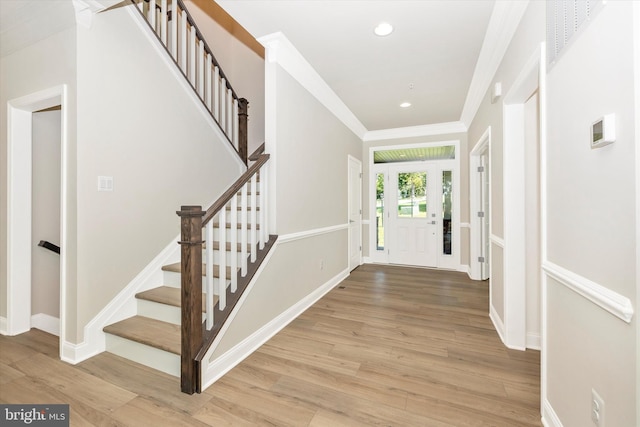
(162, 312)
(144, 354)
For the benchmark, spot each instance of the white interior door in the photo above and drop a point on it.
(484, 220)
(414, 225)
(355, 213)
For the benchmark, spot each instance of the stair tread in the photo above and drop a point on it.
(144, 330)
(169, 296)
(177, 268)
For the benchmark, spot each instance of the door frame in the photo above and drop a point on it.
(530, 79)
(483, 146)
(381, 257)
(19, 196)
(351, 187)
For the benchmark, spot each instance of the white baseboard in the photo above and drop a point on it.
(3, 325)
(497, 323)
(549, 416)
(223, 364)
(534, 341)
(119, 308)
(46, 323)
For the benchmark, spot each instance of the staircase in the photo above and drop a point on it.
(176, 322)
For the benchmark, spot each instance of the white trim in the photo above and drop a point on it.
(3, 325)
(498, 241)
(503, 23)
(415, 131)
(497, 322)
(120, 307)
(46, 323)
(358, 226)
(278, 49)
(515, 307)
(533, 341)
(310, 233)
(611, 301)
(214, 370)
(465, 225)
(19, 192)
(482, 146)
(549, 416)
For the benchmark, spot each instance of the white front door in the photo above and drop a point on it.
(355, 213)
(414, 215)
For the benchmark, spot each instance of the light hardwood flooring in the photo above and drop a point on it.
(389, 346)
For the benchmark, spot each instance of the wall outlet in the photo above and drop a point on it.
(322, 264)
(597, 409)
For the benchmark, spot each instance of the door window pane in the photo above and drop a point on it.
(447, 198)
(412, 195)
(380, 211)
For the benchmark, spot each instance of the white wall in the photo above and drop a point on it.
(45, 225)
(591, 219)
(139, 123)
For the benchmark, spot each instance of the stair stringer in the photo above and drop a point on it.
(212, 370)
(122, 306)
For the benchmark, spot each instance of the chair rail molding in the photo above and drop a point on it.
(611, 301)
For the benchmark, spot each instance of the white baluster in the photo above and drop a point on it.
(208, 82)
(223, 104)
(216, 93)
(253, 221)
(264, 235)
(192, 56)
(152, 14)
(141, 6)
(174, 29)
(222, 255)
(163, 21)
(209, 273)
(183, 42)
(234, 244)
(229, 127)
(201, 69)
(243, 230)
(236, 124)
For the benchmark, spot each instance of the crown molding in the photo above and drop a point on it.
(415, 131)
(278, 49)
(503, 24)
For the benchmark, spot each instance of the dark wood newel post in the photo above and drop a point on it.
(191, 295)
(243, 133)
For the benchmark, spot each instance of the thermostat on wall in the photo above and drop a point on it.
(603, 131)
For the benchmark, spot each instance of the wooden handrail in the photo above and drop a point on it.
(233, 190)
(256, 154)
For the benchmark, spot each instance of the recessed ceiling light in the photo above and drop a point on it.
(383, 29)
(405, 105)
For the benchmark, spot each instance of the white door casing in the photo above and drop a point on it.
(355, 212)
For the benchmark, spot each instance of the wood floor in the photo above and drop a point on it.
(390, 346)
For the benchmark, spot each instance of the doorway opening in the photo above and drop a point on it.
(20, 215)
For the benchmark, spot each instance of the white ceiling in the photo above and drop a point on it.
(434, 47)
